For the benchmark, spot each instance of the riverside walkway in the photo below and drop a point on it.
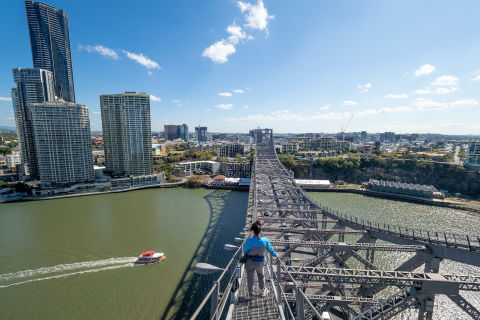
(327, 263)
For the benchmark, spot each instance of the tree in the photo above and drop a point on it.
(377, 149)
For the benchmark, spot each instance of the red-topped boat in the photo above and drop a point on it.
(150, 256)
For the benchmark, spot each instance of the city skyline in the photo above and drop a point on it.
(394, 67)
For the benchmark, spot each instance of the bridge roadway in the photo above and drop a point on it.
(317, 247)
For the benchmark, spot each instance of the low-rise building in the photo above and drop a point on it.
(306, 143)
(138, 181)
(473, 155)
(313, 184)
(232, 150)
(409, 189)
(13, 159)
(236, 169)
(196, 167)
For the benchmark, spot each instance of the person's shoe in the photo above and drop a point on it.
(264, 292)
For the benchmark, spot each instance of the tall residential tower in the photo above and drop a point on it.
(127, 133)
(63, 144)
(32, 86)
(50, 43)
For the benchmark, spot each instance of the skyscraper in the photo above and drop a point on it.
(182, 132)
(201, 134)
(127, 133)
(171, 131)
(32, 86)
(50, 43)
(63, 145)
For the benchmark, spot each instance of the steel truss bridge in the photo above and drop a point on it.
(327, 261)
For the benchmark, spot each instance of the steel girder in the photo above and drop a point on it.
(430, 282)
(344, 246)
(312, 230)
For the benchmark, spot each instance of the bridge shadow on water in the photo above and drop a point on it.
(227, 218)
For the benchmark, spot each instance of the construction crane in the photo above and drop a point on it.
(343, 128)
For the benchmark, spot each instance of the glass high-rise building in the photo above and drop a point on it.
(182, 131)
(127, 133)
(50, 43)
(32, 86)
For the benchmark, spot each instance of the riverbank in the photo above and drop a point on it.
(84, 194)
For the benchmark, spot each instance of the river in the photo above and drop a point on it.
(73, 258)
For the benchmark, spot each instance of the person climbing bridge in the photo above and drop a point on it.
(255, 250)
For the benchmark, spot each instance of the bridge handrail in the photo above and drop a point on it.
(448, 239)
(216, 286)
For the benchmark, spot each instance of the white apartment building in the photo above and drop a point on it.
(195, 167)
(473, 155)
(63, 145)
(13, 159)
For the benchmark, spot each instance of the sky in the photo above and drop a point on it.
(294, 66)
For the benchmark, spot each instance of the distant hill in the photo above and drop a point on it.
(8, 128)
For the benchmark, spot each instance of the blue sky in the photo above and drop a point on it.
(294, 66)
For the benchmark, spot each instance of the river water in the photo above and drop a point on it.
(73, 258)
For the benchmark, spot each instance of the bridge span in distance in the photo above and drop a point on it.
(326, 262)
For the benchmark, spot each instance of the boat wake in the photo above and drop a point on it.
(64, 270)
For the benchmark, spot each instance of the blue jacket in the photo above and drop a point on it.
(256, 242)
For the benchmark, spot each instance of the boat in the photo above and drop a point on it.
(149, 257)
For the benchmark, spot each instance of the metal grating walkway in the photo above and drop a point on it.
(255, 307)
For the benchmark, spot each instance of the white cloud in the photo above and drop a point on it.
(219, 51)
(286, 115)
(236, 34)
(142, 60)
(394, 109)
(445, 90)
(423, 91)
(245, 107)
(239, 91)
(477, 76)
(444, 81)
(103, 51)
(325, 107)
(225, 94)
(349, 103)
(427, 104)
(176, 101)
(396, 96)
(257, 18)
(364, 87)
(225, 106)
(207, 110)
(155, 98)
(464, 103)
(5, 99)
(424, 70)
(256, 15)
